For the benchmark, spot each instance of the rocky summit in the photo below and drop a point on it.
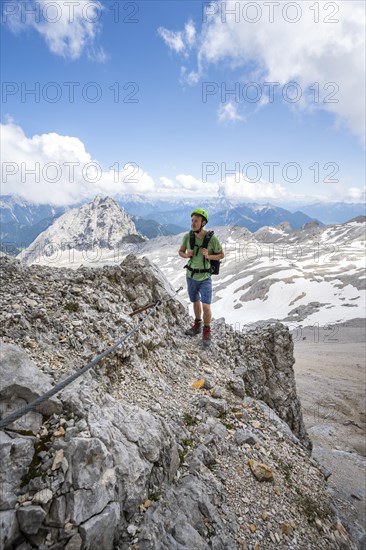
(99, 225)
(163, 444)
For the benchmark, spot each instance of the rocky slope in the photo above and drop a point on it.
(163, 445)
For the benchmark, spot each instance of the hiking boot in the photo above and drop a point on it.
(195, 328)
(206, 336)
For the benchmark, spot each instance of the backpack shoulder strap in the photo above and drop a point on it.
(207, 238)
(192, 240)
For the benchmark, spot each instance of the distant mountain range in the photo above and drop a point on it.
(21, 222)
(223, 212)
(18, 210)
(233, 212)
(334, 212)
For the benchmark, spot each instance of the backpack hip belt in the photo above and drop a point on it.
(193, 271)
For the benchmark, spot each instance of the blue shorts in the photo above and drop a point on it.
(200, 291)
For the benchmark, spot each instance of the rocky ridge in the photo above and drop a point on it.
(99, 225)
(162, 445)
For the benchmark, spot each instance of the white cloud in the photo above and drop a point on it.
(190, 33)
(236, 186)
(172, 39)
(179, 41)
(228, 112)
(186, 185)
(189, 182)
(331, 50)
(68, 28)
(188, 77)
(55, 169)
(166, 184)
(356, 194)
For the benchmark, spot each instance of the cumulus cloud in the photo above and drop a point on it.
(179, 41)
(186, 185)
(55, 169)
(172, 39)
(356, 194)
(319, 46)
(236, 186)
(68, 28)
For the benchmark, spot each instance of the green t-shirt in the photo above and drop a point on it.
(197, 261)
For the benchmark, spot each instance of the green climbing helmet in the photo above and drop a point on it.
(201, 212)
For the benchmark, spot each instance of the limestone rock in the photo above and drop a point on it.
(20, 377)
(57, 461)
(179, 521)
(214, 407)
(209, 382)
(245, 436)
(57, 514)
(98, 532)
(30, 519)
(75, 543)
(269, 375)
(237, 387)
(42, 497)
(15, 457)
(9, 529)
(89, 461)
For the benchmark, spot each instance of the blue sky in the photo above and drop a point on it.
(150, 108)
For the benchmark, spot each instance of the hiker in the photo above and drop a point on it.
(199, 271)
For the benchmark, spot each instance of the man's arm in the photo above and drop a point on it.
(218, 256)
(215, 255)
(184, 253)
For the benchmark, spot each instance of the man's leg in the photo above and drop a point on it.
(206, 297)
(206, 314)
(197, 308)
(197, 327)
(194, 296)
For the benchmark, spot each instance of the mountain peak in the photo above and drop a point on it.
(99, 225)
(99, 200)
